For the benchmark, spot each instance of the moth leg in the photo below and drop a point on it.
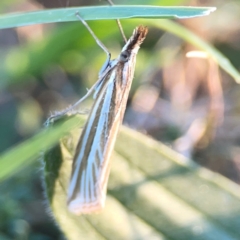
(100, 44)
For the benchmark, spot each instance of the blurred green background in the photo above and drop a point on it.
(187, 103)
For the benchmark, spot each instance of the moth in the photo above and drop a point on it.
(91, 166)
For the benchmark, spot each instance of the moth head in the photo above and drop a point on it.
(124, 56)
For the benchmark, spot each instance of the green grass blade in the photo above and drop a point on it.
(100, 13)
(26, 152)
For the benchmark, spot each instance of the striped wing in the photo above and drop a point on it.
(90, 171)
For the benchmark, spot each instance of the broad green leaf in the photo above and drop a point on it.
(153, 193)
(100, 13)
